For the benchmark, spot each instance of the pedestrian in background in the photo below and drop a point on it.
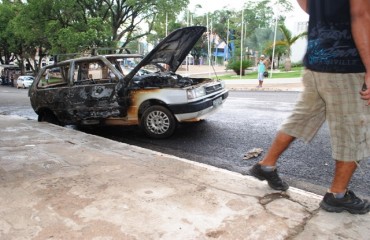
(261, 69)
(337, 64)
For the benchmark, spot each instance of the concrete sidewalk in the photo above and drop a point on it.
(274, 84)
(58, 183)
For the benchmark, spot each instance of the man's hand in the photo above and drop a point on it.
(365, 91)
(303, 5)
(360, 16)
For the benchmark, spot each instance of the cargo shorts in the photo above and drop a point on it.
(333, 97)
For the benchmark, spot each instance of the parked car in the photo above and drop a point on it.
(96, 90)
(25, 81)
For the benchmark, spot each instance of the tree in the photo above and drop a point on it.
(126, 17)
(78, 26)
(8, 11)
(280, 51)
(51, 27)
(30, 27)
(258, 23)
(287, 41)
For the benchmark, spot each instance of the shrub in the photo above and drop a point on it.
(235, 66)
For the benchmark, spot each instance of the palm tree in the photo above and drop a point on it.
(287, 41)
(280, 51)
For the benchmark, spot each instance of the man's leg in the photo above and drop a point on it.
(342, 176)
(339, 198)
(279, 145)
(266, 170)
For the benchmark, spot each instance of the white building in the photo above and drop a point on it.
(297, 23)
(299, 47)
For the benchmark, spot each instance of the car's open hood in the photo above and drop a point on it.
(173, 49)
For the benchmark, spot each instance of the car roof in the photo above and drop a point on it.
(94, 58)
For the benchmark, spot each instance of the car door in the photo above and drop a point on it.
(50, 90)
(92, 94)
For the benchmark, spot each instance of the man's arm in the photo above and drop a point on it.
(303, 5)
(360, 19)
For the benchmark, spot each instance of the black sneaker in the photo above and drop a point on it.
(272, 178)
(350, 202)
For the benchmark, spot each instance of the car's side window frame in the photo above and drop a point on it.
(93, 71)
(49, 78)
(117, 72)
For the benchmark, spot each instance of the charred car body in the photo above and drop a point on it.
(95, 90)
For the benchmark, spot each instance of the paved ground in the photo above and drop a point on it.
(59, 183)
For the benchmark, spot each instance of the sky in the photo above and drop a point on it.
(212, 5)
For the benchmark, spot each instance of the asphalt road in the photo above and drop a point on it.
(247, 120)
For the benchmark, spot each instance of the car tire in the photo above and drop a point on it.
(24, 87)
(48, 117)
(158, 122)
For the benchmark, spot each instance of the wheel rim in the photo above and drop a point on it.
(158, 122)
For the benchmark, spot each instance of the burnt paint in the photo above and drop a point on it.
(73, 104)
(165, 80)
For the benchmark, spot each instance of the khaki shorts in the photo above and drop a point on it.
(333, 97)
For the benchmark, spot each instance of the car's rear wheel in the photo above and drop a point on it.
(158, 122)
(49, 117)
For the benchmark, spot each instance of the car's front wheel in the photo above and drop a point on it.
(158, 122)
(48, 117)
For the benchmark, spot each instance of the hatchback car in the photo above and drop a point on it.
(98, 90)
(25, 81)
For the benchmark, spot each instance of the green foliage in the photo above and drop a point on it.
(8, 43)
(168, 12)
(258, 22)
(79, 37)
(283, 45)
(47, 27)
(288, 40)
(42, 28)
(235, 65)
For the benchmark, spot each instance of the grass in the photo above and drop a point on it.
(294, 73)
(52, 81)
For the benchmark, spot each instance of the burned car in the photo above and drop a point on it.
(100, 90)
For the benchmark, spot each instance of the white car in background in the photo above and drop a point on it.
(25, 81)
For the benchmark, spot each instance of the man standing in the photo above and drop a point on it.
(337, 64)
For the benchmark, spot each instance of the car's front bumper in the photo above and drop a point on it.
(197, 110)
